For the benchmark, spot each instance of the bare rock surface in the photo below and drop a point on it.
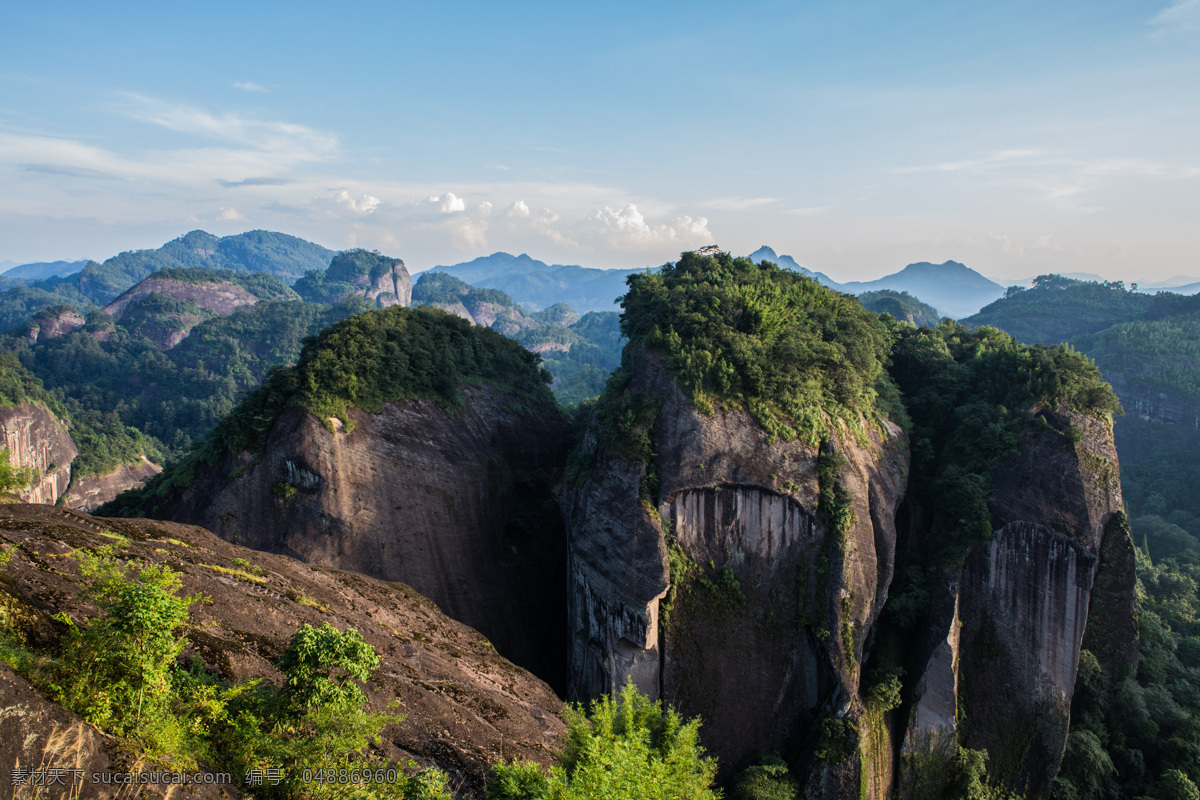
(218, 297)
(466, 706)
(37, 439)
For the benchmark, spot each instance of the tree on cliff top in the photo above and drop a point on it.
(795, 353)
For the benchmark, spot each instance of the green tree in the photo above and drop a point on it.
(616, 750)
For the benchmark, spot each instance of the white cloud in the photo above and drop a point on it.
(229, 214)
(1181, 15)
(250, 86)
(517, 209)
(628, 229)
(298, 142)
(366, 204)
(738, 203)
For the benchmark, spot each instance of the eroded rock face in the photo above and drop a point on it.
(466, 706)
(218, 297)
(45, 327)
(1059, 568)
(89, 492)
(765, 629)
(36, 438)
(458, 507)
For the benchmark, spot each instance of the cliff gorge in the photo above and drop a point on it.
(750, 540)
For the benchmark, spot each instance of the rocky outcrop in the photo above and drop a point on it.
(50, 326)
(1059, 567)
(506, 319)
(219, 297)
(466, 707)
(459, 507)
(89, 492)
(392, 288)
(37, 439)
(758, 619)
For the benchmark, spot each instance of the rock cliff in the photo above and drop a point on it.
(726, 591)
(89, 492)
(37, 439)
(758, 618)
(458, 507)
(1006, 658)
(466, 706)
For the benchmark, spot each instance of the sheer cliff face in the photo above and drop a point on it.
(1059, 569)
(458, 507)
(766, 620)
(36, 438)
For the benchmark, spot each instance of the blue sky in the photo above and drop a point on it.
(1017, 137)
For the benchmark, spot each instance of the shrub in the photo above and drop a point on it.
(625, 748)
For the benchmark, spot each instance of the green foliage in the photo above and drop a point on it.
(119, 671)
(902, 306)
(834, 504)
(12, 478)
(580, 372)
(765, 778)
(1140, 737)
(262, 285)
(795, 353)
(1057, 309)
(837, 740)
(115, 672)
(969, 395)
(283, 490)
(946, 771)
(440, 288)
(1153, 352)
(617, 750)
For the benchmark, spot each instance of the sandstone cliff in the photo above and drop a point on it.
(1004, 648)
(37, 439)
(89, 492)
(729, 596)
(52, 323)
(758, 620)
(458, 507)
(466, 706)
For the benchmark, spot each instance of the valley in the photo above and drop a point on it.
(872, 552)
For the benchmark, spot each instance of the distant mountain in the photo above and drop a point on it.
(40, 270)
(1174, 284)
(285, 257)
(1186, 288)
(537, 285)
(765, 253)
(7, 264)
(953, 288)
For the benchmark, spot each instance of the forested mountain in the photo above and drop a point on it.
(902, 306)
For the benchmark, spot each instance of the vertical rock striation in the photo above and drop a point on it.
(37, 439)
(758, 618)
